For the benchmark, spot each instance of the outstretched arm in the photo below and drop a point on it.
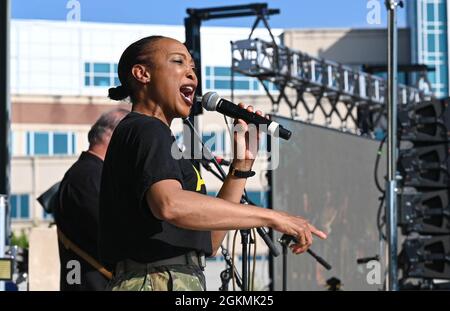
(190, 210)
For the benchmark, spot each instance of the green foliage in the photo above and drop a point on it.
(20, 240)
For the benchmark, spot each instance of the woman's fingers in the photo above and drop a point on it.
(317, 232)
(250, 108)
(309, 238)
(298, 249)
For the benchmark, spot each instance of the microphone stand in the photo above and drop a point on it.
(207, 155)
(285, 247)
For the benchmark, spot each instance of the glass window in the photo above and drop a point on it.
(101, 74)
(442, 43)
(49, 143)
(13, 206)
(28, 143)
(270, 86)
(222, 71)
(432, 77)
(220, 78)
(60, 144)
(209, 140)
(402, 77)
(431, 43)
(179, 138)
(381, 75)
(222, 84)
(226, 84)
(444, 74)
(212, 193)
(242, 85)
(442, 11)
(47, 216)
(24, 206)
(263, 143)
(20, 206)
(74, 150)
(101, 81)
(41, 144)
(101, 68)
(430, 12)
(213, 140)
(260, 198)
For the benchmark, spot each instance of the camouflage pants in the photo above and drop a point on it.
(164, 278)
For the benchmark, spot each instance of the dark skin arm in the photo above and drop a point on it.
(190, 210)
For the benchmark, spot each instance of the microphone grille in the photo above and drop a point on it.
(209, 101)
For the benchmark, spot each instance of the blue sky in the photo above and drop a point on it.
(294, 13)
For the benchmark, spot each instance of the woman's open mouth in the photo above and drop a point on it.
(187, 93)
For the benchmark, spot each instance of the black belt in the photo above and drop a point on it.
(191, 258)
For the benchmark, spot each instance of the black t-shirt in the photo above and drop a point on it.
(139, 155)
(76, 216)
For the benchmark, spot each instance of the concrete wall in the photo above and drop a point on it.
(348, 46)
(43, 260)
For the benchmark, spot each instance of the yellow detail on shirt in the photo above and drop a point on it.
(200, 180)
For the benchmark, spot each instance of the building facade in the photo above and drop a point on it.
(427, 20)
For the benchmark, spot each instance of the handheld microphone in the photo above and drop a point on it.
(213, 102)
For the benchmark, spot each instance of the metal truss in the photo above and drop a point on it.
(353, 98)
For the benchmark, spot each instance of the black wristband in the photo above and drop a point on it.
(241, 174)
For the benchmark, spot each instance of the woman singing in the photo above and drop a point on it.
(156, 221)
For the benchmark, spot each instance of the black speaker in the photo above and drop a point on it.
(426, 257)
(425, 167)
(424, 212)
(425, 122)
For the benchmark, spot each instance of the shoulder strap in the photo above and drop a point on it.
(68, 244)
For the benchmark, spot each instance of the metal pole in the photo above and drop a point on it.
(245, 243)
(4, 123)
(285, 254)
(391, 198)
(192, 26)
(3, 200)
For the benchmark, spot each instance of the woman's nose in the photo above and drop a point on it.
(191, 74)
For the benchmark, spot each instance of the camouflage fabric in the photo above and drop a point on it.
(164, 278)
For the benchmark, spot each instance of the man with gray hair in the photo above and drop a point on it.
(76, 213)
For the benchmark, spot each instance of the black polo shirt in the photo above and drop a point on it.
(141, 153)
(77, 217)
